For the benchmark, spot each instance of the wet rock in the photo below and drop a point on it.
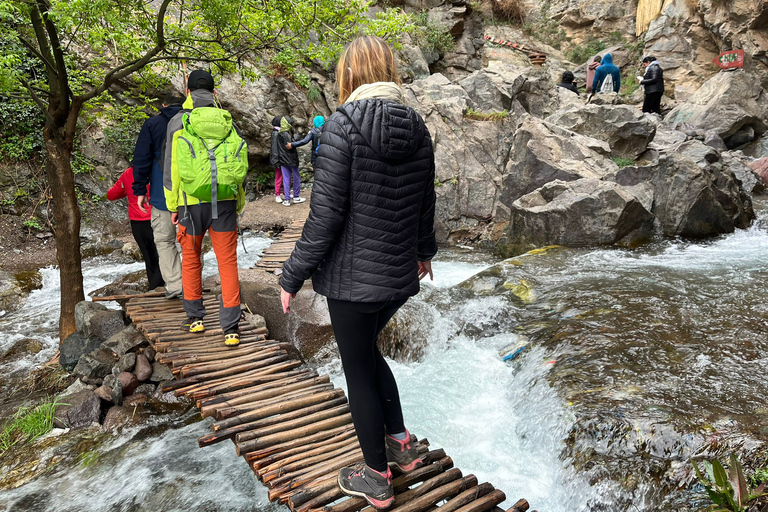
(732, 104)
(131, 249)
(74, 347)
(105, 393)
(11, 294)
(713, 140)
(22, 348)
(160, 373)
(78, 410)
(739, 166)
(626, 130)
(126, 363)
(143, 368)
(117, 417)
(128, 284)
(93, 319)
(542, 152)
(113, 384)
(127, 340)
(95, 365)
(577, 213)
(76, 387)
(135, 399)
(128, 382)
(29, 280)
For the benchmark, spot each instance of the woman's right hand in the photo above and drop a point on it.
(285, 298)
(425, 268)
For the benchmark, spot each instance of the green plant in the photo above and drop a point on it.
(729, 491)
(431, 36)
(546, 29)
(33, 223)
(581, 54)
(476, 115)
(623, 162)
(27, 424)
(314, 93)
(88, 458)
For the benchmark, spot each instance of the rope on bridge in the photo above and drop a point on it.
(289, 423)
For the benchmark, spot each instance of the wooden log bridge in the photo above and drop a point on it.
(278, 252)
(289, 423)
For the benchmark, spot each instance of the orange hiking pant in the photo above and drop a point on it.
(194, 221)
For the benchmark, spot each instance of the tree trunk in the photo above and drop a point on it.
(67, 227)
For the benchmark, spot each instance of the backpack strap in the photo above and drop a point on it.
(214, 180)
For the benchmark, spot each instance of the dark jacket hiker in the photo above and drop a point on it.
(147, 158)
(372, 212)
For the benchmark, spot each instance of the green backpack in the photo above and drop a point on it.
(212, 158)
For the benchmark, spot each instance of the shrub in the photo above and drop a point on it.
(431, 36)
(28, 424)
(581, 54)
(510, 10)
(623, 162)
(476, 115)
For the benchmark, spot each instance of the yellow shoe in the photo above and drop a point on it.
(193, 324)
(232, 338)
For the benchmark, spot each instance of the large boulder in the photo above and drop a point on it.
(20, 349)
(95, 365)
(94, 319)
(11, 294)
(750, 181)
(626, 130)
(125, 341)
(78, 410)
(542, 152)
(74, 347)
(731, 104)
(495, 87)
(584, 212)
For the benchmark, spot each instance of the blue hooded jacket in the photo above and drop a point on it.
(607, 67)
(147, 169)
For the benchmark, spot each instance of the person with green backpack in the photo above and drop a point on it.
(209, 161)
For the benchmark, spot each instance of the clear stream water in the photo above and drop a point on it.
(636, 360)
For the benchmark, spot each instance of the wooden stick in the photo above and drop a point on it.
(203, 368)
(423, 501)
(228, 412)
(288, 384)
(293, 424)
(278, 448)
(202, 355)
(288, 406)
(312, 490)
(275, 493)
(466, 497)
(290, 435)
(127, 296)
(229, 433)
(234, 379)
(487, 502)
(520, 506)
(354, 454)
(306, 459)
(259, 396)
(204, 377)
(258, 461)
(211, 396)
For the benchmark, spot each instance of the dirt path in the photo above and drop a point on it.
(264, 214)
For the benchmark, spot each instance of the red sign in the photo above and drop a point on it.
(730, 59)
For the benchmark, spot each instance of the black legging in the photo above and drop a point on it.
(142, 233)
(652, 102)
(373, 397)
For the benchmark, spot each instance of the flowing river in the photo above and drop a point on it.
(634, 361)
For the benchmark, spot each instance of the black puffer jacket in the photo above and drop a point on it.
(653, 81)
(373, 206)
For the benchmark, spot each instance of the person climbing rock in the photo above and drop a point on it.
(141, 226)
(591, 72)
(148, 173)
(209, 161)
(288, 160)
(274, 153)
(607, 76)
(313, 136)
(368, 241)
(567, 82)
(653, 85)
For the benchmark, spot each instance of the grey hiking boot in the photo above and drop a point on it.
(403, 454)
(360, 480)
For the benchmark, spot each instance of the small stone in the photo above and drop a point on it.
(129, 382)
(160, 373)
(105, 393)
(95, 365)
(255, 320)
(117, 389)
(75, 387)
(127, 362)
(73, 348)
(145, 389)
(78, 410)
(143, 368)
(150, 354)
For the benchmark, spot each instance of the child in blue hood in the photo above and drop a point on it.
(607, 68)
(313, 136)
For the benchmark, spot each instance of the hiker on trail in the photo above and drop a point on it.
(313, 136)
(591, 69)
(607, 76)
(366, 244)
(141, 226)
(653, 85)
(288, 160)
(568, 82)
(148, 173)
(204, 192)
(274, 153)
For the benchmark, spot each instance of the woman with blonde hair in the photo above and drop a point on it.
(367, 243)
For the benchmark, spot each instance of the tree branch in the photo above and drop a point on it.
(40, 103)
(38, 54)
(58, 55)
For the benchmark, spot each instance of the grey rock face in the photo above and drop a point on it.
(127, 340)
(93, 319)
(78, 410)
(728, 103)
(126, 362)
(11, 294)
(160, 373)
(624, 128)
(95, 365)
(587, 211)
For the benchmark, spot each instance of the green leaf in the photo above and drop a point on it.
(738, 481)
(721, 479)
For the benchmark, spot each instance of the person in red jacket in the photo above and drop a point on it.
(140, 226)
